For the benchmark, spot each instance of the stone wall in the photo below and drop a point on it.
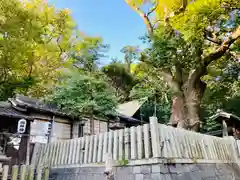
(152, 172)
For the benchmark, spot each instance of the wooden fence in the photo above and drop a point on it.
(23, 173)
(152, 140)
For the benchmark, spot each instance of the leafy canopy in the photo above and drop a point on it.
(84, 95)
(35, 43)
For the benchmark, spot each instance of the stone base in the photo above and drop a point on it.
(153, 172)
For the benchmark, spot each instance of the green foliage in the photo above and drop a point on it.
(88, 53)
(123, 162)
(36, 40)
(84, 94)
(121, 79)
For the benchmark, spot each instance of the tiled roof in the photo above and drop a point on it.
(8, 111)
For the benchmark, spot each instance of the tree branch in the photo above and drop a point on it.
(168, 77)
(223, 48)
(152, 9)
(210, 36)
(202, 68)
(143, 16)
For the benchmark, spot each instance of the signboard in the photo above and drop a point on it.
(39, 131)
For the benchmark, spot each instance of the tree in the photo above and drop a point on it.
(88, 53)
(131, 54)
(188, 39)
(84, 95)
(36, 40)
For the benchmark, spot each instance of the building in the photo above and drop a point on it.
(44, 124)
(230, 124)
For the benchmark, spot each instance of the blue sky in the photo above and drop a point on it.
(113, 20)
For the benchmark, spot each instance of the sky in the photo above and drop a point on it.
(113, 20)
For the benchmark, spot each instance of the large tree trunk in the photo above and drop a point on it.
(178, 112)
(185, 111)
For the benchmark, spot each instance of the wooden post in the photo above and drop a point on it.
(100, 148)
(46, 174)
(14, 172)
(109, 167)
(139, 142)
(120, 144)
(105, 145)
(154, 127)
(23, 172)
(30, 172)
(115, 145)
(39, 174)
(147, 141)
(126, 144)
(133, 143)
(5, 172)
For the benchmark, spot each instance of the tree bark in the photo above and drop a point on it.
(185, 112)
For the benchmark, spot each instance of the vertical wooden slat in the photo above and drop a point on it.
(39, 154)
(31, 172)
(187, 144)
(46, 174)
(155, 137)
(23, 172)
(139, 142)
(161, 141)
(86, 150)
(167, 140)
(14, 172)
(60, 154)
(5, 172)
(70, 152)
(53, 153)
(78, 145)
(49, 157)
(127, 143)
(110, 143)
(39, 174)
(147, 141)
(35, 153)
(100, 148)
(63, 152)
(90, 156)
(57, 154)
(74, 152)
(205, 156)
(171, 141)
(95, 148)
(115, 145)
(120, 150)
(177, 143)
(82, 151)
(133, 143)
(40, 158)
(105, 145)
(66, 155)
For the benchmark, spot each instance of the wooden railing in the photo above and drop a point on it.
(152, 140)
(23, 172)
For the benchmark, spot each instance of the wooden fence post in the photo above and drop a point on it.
(39, 174)
(109, 167)
(154, 127)
(5, 172)
(23, 172)
(31, 172)
(14, 172)
(46, 174)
